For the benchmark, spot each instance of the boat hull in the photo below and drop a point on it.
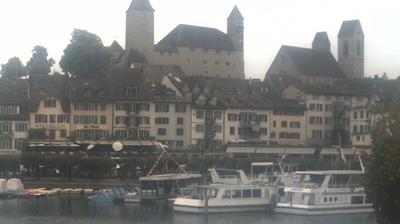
(198, 206)
(286, 208)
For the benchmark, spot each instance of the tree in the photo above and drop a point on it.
(39, 64)
(383, 169)
(14, 69)
(136, 56)
(85, 55)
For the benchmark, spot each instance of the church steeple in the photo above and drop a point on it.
(140, 5)
(321, 42)
(235, 28)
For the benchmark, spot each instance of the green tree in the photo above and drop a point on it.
(39, 64)
(14, 69)
(85, 55)
(383, 169)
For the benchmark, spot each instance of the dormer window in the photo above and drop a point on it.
(101, 93)
(87, 92)
(131, 91)
(50, 103)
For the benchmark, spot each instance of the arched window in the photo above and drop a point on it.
(346, 49)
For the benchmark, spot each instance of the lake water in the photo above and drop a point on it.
(79, 210)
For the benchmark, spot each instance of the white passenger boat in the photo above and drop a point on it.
(325, 192)
(227, 197)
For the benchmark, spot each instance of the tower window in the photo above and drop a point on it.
(346, 48)
(358, 48)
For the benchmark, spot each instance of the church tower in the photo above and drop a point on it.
(140, 27)
(351, 49)
(236, 28)
(321, 42)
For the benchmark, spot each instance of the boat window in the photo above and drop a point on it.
(357, 200)
(227, 194)
(325, 199)
(213, 193)
(335, 199)
(311, 181)
(236, 193)
(256, 193)
(247, 193)
(330, 199)
(339, 181)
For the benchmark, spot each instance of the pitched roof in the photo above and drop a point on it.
(115, 46)
(311, 62)
(321, 41)
(195, 36)
(14, 92)
(235, 14)
(89, 89)
(349, 27)
(155, 73)
(141, 5)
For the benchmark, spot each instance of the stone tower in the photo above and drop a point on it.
(236, 28)
(140, 27)
(351, 49)
(321, 42)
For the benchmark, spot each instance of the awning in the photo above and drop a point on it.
(52, 144)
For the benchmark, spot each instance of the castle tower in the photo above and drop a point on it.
(321, 42)
(236, 28)
(351, 49)
(140, 27)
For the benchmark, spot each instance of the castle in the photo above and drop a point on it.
(200, 51)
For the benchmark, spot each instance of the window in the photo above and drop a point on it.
(256, 193)
(320, 107)
(179, 144)
(63, 133)
(263, 118)
(247, 193)
(21, 127)
(216, 62)
(199, 114)
(180, 108)
(312, 107)
(218, 115)
(144, 134)
(199, 128)
(50, 103)
(8, 110)
(263, 131)
(358, 48)
(188, 60)
(295, 124)
(131, 91)
(273, 134)
(236, 193)
(162, 120)
(274, 124)
(328, 120)
(232, 130)
(87, 93)
(144, 120)
(179, 121)
(346, 48)
(19, 144)
(61, 118)
(227, 63)
(86, 107)
(85, 120)
(103, 107)
(232, 117)
(284, 124)
(121, 120)
(286, 135)
(91, 134)
(101, 93)
(179, 131)
(315, 97)
(204, 62)
(40, 118)
(355, 115)
(361, 114)
(5, 144)
(161, 131)
(120, 107)
(52, 134)
(316, 120)
(328, 107)
(52, 118)
(5, 127)
(218, 128)
(103, 120)
(162, 108)
(317, 134)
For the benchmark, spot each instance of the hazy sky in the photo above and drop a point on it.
(268, 25)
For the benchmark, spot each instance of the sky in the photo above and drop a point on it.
(269, 24)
